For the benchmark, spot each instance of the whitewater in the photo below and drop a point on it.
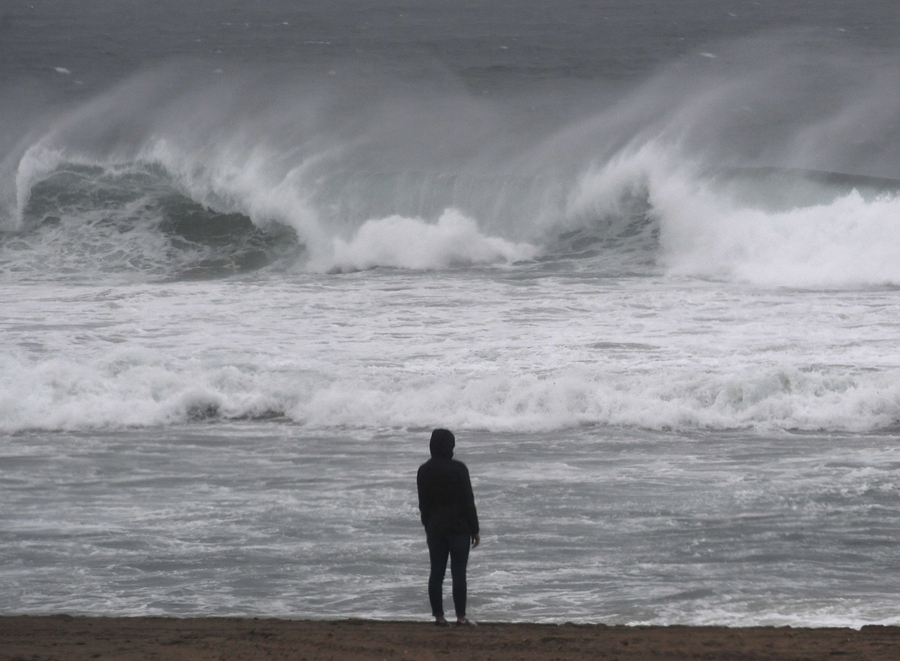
(660, 316)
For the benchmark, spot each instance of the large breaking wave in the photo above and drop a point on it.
(766, 226)
(351, 174)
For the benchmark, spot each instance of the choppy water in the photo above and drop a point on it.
(601, 525)
(652, 286)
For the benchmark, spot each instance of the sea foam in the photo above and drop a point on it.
(789, 231)
(454, 240)
(848, 242)
(140, 387)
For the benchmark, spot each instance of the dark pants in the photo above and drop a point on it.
(439, 547)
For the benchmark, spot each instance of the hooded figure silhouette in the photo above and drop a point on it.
(447, 506)
(442, 443)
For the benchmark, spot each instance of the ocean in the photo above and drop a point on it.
(643, 260)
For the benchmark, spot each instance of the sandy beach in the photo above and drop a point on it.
(74, 638)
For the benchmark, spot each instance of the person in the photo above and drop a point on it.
(447, 506)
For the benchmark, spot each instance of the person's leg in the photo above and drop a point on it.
(459, 558)
(438, 550)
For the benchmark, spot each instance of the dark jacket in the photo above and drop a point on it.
(446, 501)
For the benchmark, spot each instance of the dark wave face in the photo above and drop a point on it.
(82, 221)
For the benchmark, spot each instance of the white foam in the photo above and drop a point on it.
(140, 387)
(849, 242)
(412, 243)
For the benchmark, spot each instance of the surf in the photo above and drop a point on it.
(693, 172)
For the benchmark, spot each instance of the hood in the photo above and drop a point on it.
(442, 443)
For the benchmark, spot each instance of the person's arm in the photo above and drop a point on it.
(424, 504)
(469, 510)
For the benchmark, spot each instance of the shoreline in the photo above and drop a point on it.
(73, 638)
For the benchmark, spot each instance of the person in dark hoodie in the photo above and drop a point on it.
(447, 505)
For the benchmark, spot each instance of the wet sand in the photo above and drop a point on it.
(74, 638)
